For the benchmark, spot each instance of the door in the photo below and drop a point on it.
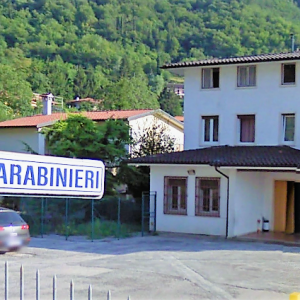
(280, 206)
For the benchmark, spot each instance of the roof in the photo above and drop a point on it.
(179, 118)
(236, 60)
(36, 120)
(229, 156)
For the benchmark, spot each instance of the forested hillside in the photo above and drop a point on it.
(112, 49)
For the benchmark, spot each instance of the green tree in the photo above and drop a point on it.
(170, 102)
(153, 140)
(129, 93)
(6, 112)
(15, 91)
(80, 137)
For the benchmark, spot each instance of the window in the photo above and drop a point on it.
(288, 128)
(175, 198)
(247, 128)
(288, 73)
(210, 129)
(246, 76)
(207, 197)
(210, 78)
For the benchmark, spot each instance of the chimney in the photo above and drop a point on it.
(293, 42)
(47, 103)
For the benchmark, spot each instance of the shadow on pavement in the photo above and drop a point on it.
(162, 242)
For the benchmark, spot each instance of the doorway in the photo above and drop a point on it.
(297, 207)
(287, 207)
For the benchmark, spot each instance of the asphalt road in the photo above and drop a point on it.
(156, 267)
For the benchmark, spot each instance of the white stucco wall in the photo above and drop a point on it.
(268, 101)
(248, 202)
(251, 197)
(138, 125)
(11, 139)
(188, 223)
(254, 198)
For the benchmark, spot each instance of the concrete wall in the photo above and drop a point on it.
(248, 202)
(188, 223)
(268, 100)
(139, 125)
(11, 139)
(251, 197)
(254, 198)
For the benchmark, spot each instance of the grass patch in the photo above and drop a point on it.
(102, 229)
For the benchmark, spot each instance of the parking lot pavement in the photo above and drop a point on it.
(167, 266)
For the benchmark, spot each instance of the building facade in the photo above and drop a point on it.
(241, 139)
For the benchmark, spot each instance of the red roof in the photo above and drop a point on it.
(179, 118)
(34, 121)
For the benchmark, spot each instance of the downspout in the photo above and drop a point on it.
(227, 208)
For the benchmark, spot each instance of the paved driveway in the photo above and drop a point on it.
(157, 267)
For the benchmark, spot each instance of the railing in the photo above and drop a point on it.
(37, 286)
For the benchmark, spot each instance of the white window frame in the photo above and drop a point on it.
(210, 78)
(282, 75)
(247, 85)
(211, 129)
(284, 117)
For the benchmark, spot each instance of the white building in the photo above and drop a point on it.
(15, 134)
(241, 161)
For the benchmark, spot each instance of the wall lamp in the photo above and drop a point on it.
(191, 172)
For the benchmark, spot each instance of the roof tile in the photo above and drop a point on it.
(229, 156)
(236, 60)
(35, 120)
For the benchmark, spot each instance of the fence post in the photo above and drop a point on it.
(22, 283)
(143, 207)
(54, 287)
(67, 221)
(42, 218)
(72, 290)
(92, 220)
(37, 292)
(90, 295)
(6, 281)
(119, 216)
(109, 295)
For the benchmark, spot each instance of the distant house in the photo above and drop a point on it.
(177, 88)
(57, 101)
(14, 133)
(179, 118)
(78, 103)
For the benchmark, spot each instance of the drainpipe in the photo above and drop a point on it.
(227, 208)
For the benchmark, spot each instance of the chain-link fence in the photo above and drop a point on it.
(112, 216)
